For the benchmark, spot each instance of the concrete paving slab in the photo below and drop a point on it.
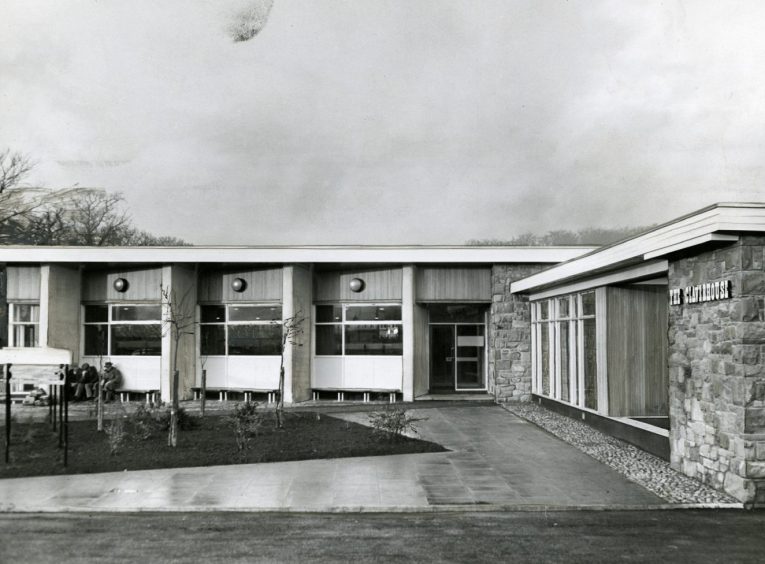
(496, 459)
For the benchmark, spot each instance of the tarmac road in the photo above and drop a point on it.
(568, 536)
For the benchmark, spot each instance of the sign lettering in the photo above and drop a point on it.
(708, 292)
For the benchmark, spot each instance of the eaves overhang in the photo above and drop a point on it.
(412, 254)
(717, 224)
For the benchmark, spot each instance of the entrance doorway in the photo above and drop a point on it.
(457, 348)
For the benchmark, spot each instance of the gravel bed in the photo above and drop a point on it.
(635, 464)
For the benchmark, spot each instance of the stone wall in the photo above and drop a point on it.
(510, 335)
(716, 378)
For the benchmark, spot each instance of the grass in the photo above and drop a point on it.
(306, 435)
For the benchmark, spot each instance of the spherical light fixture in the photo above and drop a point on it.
(357, 285)
(239, 284)
(121, 285)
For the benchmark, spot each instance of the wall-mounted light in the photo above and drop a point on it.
(121, 285)
(357, 285)
(239, 284)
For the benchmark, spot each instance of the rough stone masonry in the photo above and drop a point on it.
(716, 377)
(510, 335)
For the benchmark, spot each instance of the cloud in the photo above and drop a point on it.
(371, 122)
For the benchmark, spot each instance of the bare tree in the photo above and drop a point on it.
(177, 319)
(292, 329)
(18, 202)
(13, 168)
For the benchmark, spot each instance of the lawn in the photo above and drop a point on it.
(210, 441)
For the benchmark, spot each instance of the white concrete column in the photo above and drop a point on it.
(167, 340)
(407, 318)
(181, 281)
(288, 310)
(42, 337)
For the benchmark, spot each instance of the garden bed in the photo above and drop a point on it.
(305, 436)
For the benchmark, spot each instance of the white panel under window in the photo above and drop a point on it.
(258, 372)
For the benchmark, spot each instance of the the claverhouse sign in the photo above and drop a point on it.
(709, 292)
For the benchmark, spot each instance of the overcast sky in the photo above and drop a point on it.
(402, 121)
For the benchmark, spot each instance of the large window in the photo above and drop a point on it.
(123, 330)
(24, 325)
(240, 330)
(565, 349)
(354, 330)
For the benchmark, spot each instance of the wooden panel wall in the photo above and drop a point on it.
(379, 285)
(263, 285)
(421, 351)
(23, 283)
(638, 380)
(143, 285)
(442, 284)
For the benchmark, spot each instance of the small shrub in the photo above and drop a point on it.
(186, 422)
(142, 423)
(116, 435)
(245, 422)
(393, 422)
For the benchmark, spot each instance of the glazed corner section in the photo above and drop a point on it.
(660, 340)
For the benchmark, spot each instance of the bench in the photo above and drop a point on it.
(247, 392)
(366, 393)
(151, 395)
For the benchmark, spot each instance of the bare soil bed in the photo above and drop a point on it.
(211, 441)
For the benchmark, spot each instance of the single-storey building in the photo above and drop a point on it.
(659, 339)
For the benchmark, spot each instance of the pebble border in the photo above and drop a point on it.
(635, 464)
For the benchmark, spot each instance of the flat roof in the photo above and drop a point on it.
(407, 254)
(720, 222)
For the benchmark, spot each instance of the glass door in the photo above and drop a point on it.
(470, 355)
(457, 353)
(442, 358)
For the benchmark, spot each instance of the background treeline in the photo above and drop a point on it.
(588, 236)
(71, 216)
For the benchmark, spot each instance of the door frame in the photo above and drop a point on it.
(485, 370)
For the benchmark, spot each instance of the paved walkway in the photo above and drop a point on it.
(497, 460)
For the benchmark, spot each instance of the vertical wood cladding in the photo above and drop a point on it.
(261, 285)
(380, 284)
(23, 283)
(144, 284)
(453, 284)
(638, 382)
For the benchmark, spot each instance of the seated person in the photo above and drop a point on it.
(87, 380)
(110, 380)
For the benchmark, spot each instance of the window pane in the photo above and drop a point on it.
(26, 312)
(373, 340)
(373, 313)
(564, 360)
(563, 307)
(588, 303)
(544, 310)
(456, 313)
(470, 341)
(254, 340)
(545, 352)
(136, 313)
(590, 365)
(255, 313)
(212, 340)
(329, 313)
(25, 335)
(96, 314)
(212, 314)
(575, 363)
(329, 339)
(144, 340)
(96, 340)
